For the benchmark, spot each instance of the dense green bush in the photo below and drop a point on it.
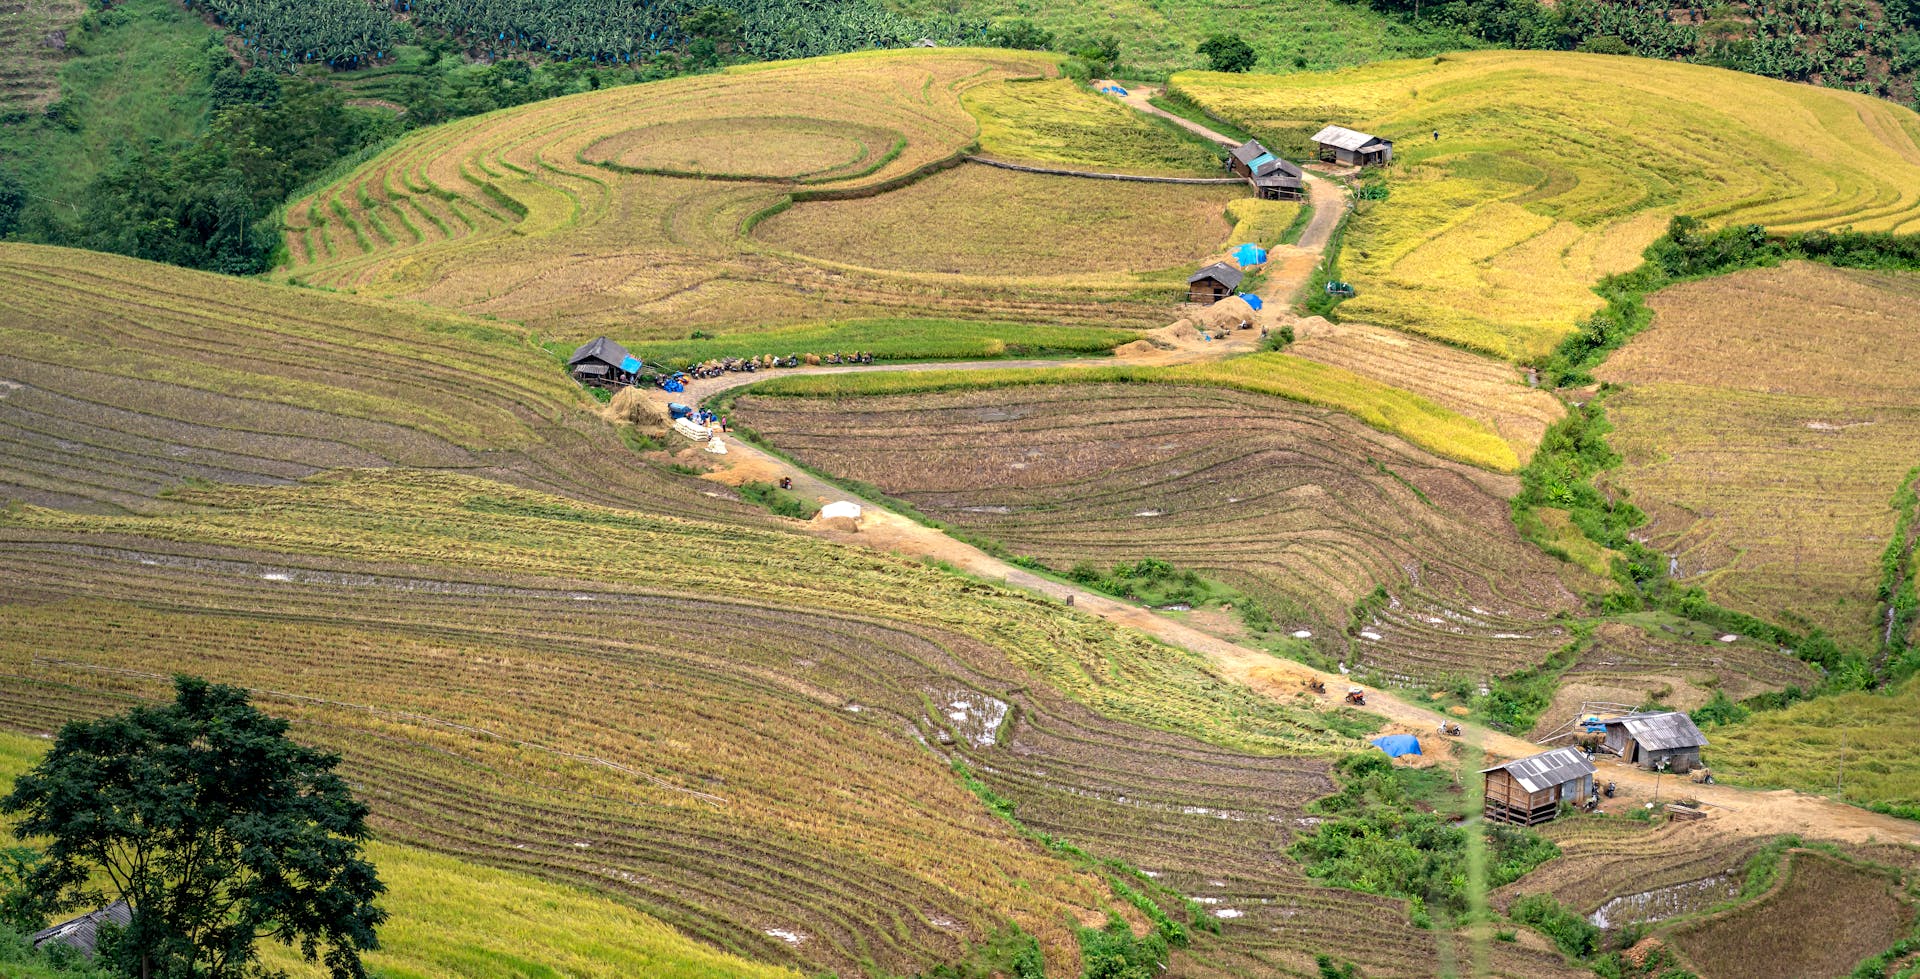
(1575, 935)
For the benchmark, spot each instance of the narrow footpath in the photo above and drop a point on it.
(1732, 810)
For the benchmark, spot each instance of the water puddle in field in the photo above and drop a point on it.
(1228, 913)
(1302, 634)
(790, 937)
(974, 716)
(1151, 513)
(1662, 903)
(1178, 607)
(1376, 637)
(986, 509)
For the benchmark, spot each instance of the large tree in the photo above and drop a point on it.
(213, 825)
(1228, 52)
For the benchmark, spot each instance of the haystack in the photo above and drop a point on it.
(631, 406)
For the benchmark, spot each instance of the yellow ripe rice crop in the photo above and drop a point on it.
(1768, 421)
(630, 211)
(1057, 122)
(1552, 170)
(1428, 425)
(1858, 744)
(1261, 222)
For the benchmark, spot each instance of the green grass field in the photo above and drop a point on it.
(1555, 169)
(1059, 122)
(1156, 38)
(890, 339)
(1857, 746)
(137, 73)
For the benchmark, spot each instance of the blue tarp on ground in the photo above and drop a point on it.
(1249, 254)
(1252, 300)
(1396, 745)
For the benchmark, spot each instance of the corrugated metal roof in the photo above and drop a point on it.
(1659, 732)
(1249, 151)
(1343, 137)
(1547, 769)
(83, 933)
(1277, 180)
(1225, 274)
(1275, 165)
(600, 349)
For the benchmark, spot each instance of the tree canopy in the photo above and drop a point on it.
(216, 827)
(1228, 52)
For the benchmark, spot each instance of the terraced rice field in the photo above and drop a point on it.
(1555, 169)
(1602, 858)
(1485, 390)
(1772, 488)
(1058, 122)
(1860, 743)
(121, 380)
(694, 718)
(1823, 918)
(33, 38)
(537, 214)
(453, 917)
(984, 221)
(1300, 507)
(1627, 664)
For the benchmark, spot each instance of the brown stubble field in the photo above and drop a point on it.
(536, 215)
(1302, 508)
(1768, 419)
(1823, 917)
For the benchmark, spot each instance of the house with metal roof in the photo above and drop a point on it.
(603, 363)
(1665, 740)
(1338, 144)
(1529, 791)
(83, 934)
(1213, 283)
(1274, 178)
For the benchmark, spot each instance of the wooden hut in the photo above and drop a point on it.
(1240, 159)
(1213, 283)
(1667, 739)
(602, 363)
(1528, 791)
(1338, 144)
(82, 934)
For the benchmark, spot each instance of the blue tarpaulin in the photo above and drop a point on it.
(1396, 745)
(1260, 161)
(631, 364)
(1249, 254)
(1252, 300)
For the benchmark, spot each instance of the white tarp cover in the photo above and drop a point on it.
(841, 508)
(717, 447)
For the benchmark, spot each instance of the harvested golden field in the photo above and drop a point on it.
(1058, 122)
(1858, 746)
(124, 379)
(580, 215)
(1634, 871)
(1772, 486)
(1261, 222)
(985, 221)
(744, 734)
(1485, 390)
(1654, 663)
(1302, 508)
(1823, 917)
(1554, 169)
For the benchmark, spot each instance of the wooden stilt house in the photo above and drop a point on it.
(1529, 791)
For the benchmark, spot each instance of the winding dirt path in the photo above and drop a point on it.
(1732, 810)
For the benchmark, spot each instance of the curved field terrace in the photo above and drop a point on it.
(1302, 508)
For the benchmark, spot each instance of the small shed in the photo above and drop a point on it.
(1528, 791)
(603, 363)
(1279, 186)
(1654, 740)
(1338, 144)
(82, 934)
(1213, 283)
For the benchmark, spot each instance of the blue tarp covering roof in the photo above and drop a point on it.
(1396, 745)
(1252, 300)
(1260, 161)
(630, 364)
(1249, 254)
